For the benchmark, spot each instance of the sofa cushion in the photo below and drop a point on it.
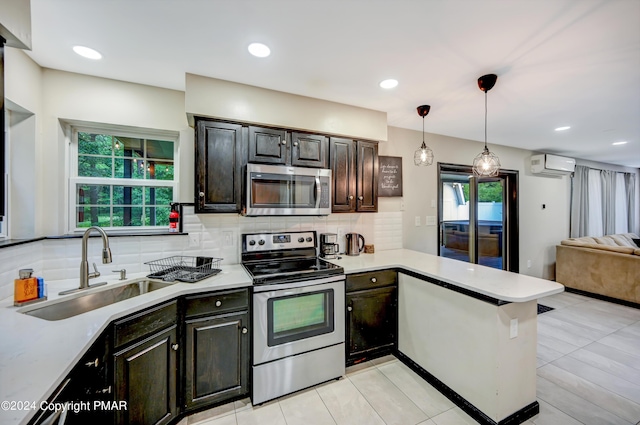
(619, 240)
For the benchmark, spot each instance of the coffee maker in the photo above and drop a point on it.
(329, 245)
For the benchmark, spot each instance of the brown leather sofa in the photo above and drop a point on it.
(607, 265)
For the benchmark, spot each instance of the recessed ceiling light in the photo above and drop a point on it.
(87, 52)
(259, 50)
(623, 142)
(388, 84)
(566, 127)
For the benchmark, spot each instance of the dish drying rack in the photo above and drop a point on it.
(184, 269)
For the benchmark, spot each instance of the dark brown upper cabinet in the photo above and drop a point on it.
(354, 166)
(268, 145)
(367, 176)
(309, 150)
(343, 169)
(221, 153)
(283, 147)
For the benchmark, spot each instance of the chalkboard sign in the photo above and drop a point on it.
(390, 177)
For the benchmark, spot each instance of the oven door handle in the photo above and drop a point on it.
(297, 285)
(318, 192)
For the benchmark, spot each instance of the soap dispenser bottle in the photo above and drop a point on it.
(26, 287)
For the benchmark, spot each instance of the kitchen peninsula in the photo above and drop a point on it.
(471, 331)
(455, 322)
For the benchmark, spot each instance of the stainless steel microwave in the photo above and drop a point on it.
(282, 190)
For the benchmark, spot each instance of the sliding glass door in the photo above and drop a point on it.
(478, 217)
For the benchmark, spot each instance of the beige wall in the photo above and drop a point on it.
(240, 102)
(540, 230)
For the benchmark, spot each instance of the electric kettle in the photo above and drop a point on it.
(355, 243)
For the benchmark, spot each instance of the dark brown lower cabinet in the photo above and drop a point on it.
(166, 361)
(216, 358)
(372, 315)
(146, 378)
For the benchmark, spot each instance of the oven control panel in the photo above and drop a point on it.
(255, 242)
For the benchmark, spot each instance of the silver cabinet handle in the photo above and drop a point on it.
(93, 363)
(284, 142)
(201, 194)
(104, 390)
(245, 330)
(349, 308)
(361, 197)
(350, 197)
(374, 280)
(218, 303)
(295, 143)
(175, 347)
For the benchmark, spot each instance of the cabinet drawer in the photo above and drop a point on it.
(370, 280)
(145, 323)
(217, 303)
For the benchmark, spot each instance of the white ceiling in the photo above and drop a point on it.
(559, 62)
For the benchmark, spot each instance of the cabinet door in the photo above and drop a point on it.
(309, 150)
(367, 176)
(268, 145)
(217, 359)
(343, 170)
(145, 377)
(220, 156)
(371, 322)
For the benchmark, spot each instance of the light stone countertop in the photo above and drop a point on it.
(37, 354)
(499, 284)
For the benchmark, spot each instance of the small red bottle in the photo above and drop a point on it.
(174, 218)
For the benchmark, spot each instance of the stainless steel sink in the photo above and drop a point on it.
(63, 309)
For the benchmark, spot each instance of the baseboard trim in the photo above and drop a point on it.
(602, 297)
(516, 418)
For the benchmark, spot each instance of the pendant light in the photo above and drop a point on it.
(424, 154)
(486, 163)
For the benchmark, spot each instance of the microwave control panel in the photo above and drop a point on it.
(324, 197)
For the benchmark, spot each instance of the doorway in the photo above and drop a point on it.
(478, 217)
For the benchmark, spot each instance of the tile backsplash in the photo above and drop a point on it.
(213, 235)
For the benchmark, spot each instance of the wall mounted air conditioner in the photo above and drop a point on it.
(552, 165)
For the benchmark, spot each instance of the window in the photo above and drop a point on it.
(121, 180)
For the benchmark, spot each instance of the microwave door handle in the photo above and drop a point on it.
(318, 192)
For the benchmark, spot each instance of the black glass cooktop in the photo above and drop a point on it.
(290, 270)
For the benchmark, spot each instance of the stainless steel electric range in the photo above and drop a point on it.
(298, 313)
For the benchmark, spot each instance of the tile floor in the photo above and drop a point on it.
(588, 373)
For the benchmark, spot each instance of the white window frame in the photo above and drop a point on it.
(74, 179)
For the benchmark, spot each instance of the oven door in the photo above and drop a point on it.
(281, 190)
(302, 317)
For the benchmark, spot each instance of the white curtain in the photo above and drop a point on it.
(621, 222)
(602, 202)
(595, 223)
(579, 220)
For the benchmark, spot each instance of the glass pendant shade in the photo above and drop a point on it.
(486, 163)
(423, 156)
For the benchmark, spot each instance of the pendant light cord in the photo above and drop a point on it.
(485, 120)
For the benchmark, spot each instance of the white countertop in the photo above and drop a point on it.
(499, 284)
(37, 354)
